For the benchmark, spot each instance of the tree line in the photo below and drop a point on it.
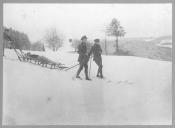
(13, 38)
(54, 40)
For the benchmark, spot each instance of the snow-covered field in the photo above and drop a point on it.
(165, 43)
(136, 91)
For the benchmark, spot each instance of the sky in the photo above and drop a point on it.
(75, 20)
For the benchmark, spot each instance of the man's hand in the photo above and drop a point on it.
(100, 52)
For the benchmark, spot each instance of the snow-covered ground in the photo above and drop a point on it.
(136, 91)
(165, 43)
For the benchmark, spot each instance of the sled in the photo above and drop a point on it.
(44, 62)
(40, 60)
(32, 57)
(21, 55)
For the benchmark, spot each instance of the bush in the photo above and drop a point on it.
(18, 39)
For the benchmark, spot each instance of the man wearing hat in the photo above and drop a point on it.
(97, 51)
(83, 58)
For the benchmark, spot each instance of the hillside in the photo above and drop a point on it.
(135, 91)
(154, 48)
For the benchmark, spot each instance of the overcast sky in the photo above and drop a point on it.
(75, 20)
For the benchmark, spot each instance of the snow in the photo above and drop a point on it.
(149, 39)
(136, 91)
(66, 47)
(165, 43)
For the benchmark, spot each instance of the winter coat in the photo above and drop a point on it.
(82, 51)
(96, 51)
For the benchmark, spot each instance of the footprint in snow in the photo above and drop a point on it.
(109, 81)
(49, 99)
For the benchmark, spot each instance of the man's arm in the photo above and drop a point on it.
(101, 50)
(79, 49)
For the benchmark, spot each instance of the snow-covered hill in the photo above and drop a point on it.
(135, 91)
(165, 43)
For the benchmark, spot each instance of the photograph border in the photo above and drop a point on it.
(87, 2)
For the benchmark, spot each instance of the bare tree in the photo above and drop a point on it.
(116, 30)
(53, 39)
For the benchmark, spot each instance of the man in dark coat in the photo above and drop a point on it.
(83, 58)
(97, 51)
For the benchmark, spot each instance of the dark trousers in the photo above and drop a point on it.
(100, 66)
(81, 67)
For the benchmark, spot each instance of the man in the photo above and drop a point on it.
(83, 58)
(97, 51)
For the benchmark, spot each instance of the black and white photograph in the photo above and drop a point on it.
(87, 64)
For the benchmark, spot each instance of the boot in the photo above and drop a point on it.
(78, 77)
(87, 78)
(86, 74)
(98, 72)
(78, 72)
(101, 74)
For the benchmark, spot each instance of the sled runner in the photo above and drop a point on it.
(20, 54)
(43, 61)
(40, 60)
